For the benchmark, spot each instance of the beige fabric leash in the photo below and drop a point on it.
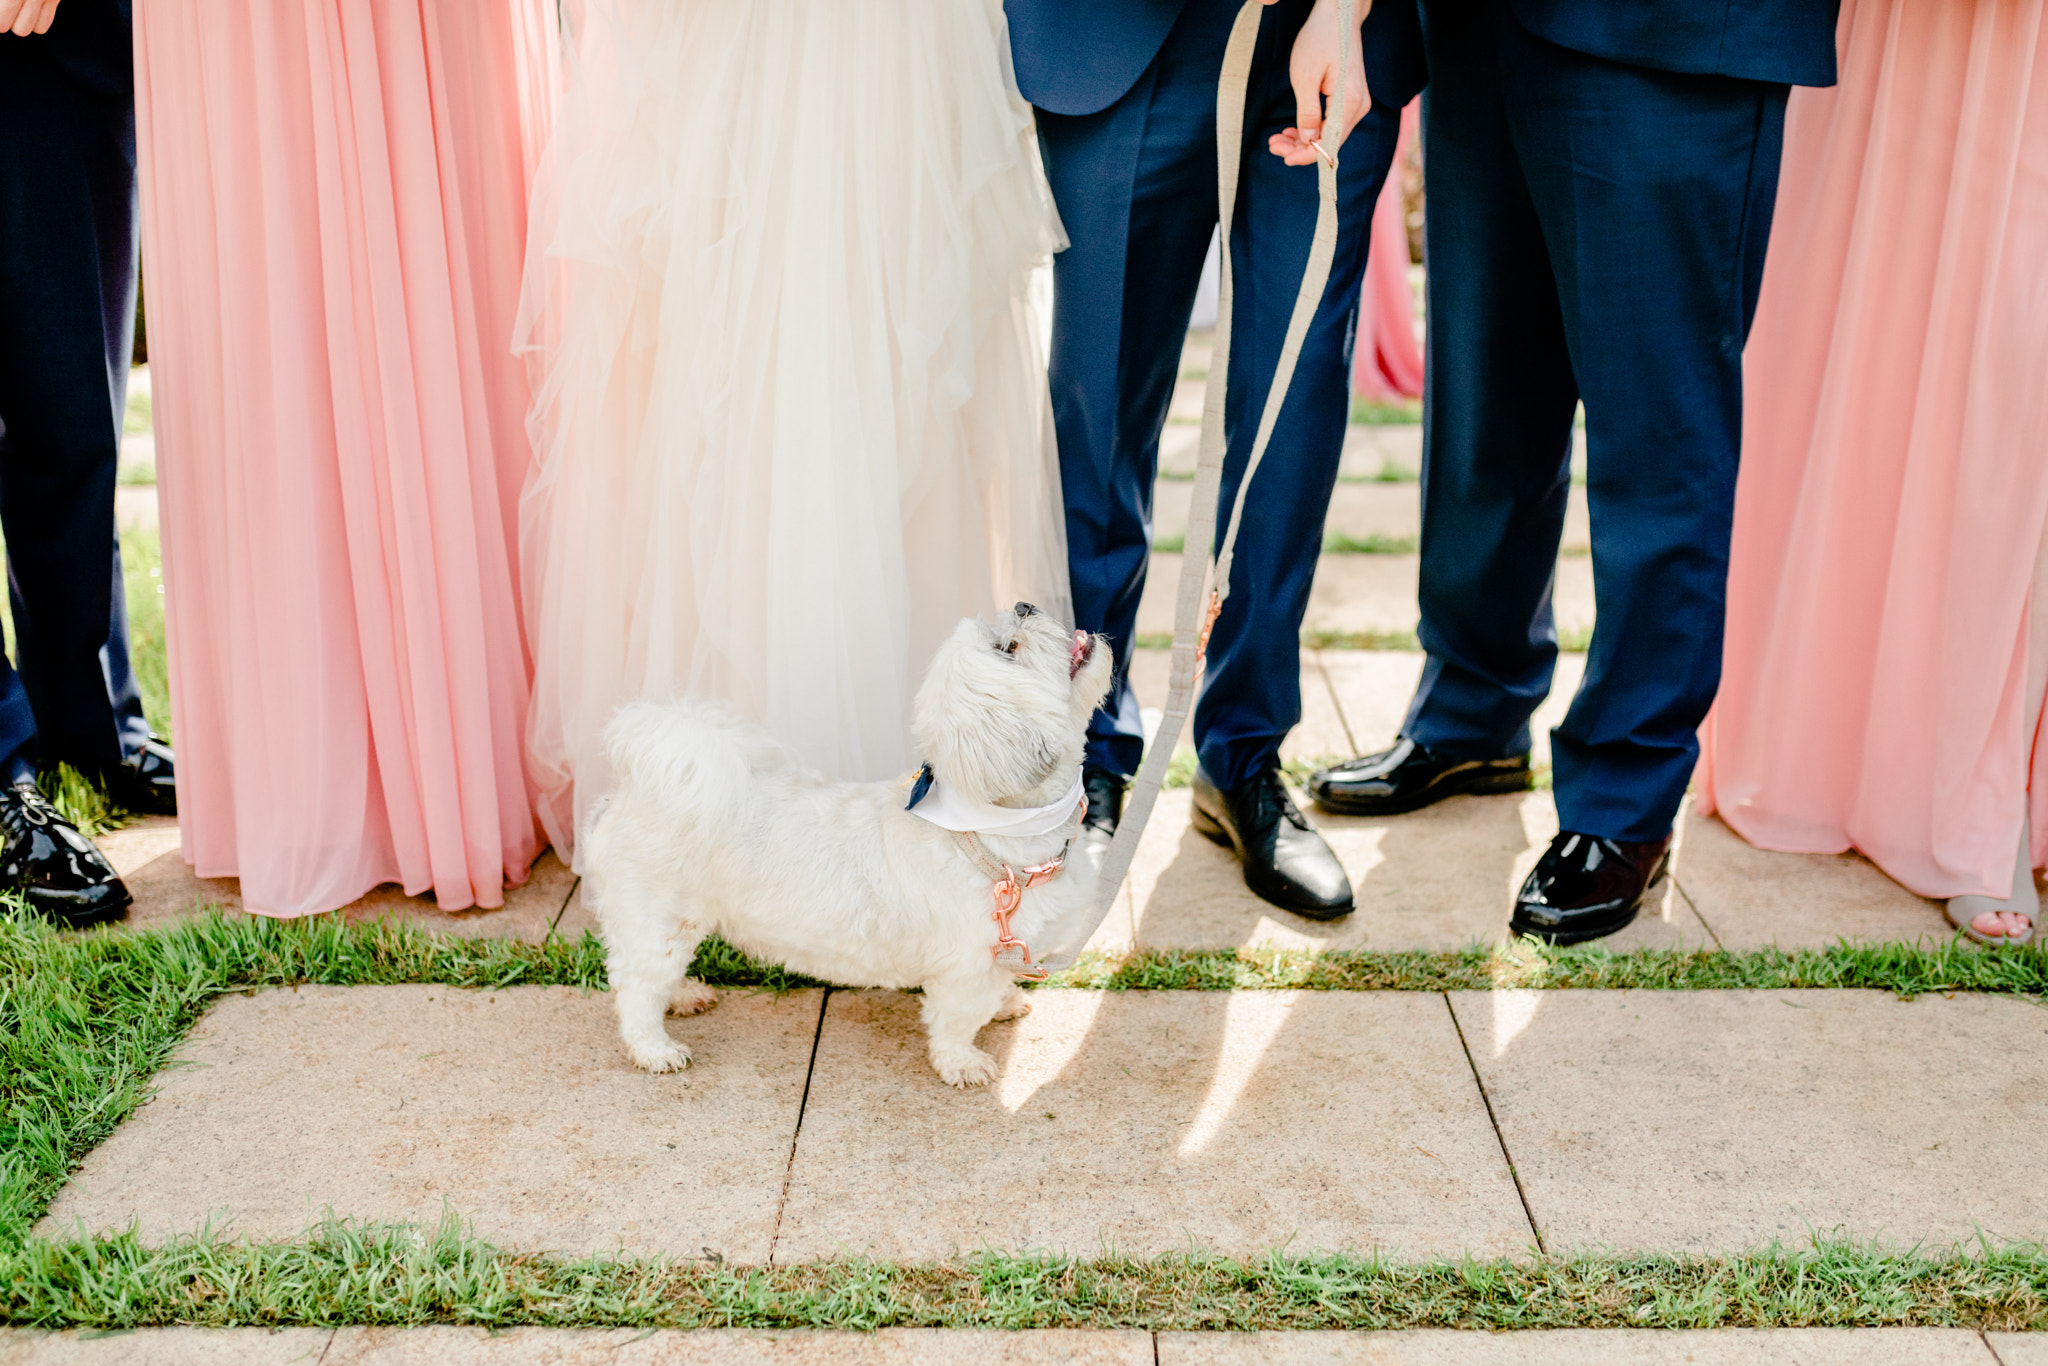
(1195, 612)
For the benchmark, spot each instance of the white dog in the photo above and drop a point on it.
(715, 828)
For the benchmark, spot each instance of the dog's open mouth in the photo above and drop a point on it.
(1079, 653)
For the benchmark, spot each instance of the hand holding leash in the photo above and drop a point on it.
(1324, 62)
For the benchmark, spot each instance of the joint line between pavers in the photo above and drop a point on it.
(1535, 1230)
(1697, 914)
(332, 1333)
(1155, 1349)
(789, 1171)
(563, 909)
(1982, 1337)
(1330, 687)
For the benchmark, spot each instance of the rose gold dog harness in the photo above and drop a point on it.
(1008, 886)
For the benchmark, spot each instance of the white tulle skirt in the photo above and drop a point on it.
(791, 419)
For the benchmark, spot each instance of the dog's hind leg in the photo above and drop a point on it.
(649, 943)
(954, 1012)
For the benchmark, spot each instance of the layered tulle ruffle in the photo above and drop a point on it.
(791, 415)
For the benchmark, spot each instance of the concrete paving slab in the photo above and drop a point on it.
(1374, 687)
(1440, 878)
(1147, 1122)
(139, 843)
(135, 505)
(1716, 1121)
(1587, 1347)
(1361, 508)
(1320, 735)
(166, 1347)
(2019, 1349)
(1366, 593)
(1369, 448)
(638, 1347)
(166, 890)
(1754, 898)
(515, 1109)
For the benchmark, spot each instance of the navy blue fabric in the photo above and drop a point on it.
(1788, 41)
(1136, 187)
(1595, 231)
(67, 317)
(1081, 56)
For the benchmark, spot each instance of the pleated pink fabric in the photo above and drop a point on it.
(1386, 361)
(1889, 520)
(334, 203)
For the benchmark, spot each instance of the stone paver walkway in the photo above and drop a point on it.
(810, 1125)
(942, 1347)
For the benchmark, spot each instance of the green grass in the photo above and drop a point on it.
(138, 419)
(86, 1021)
(343, 1273)
(81, 800)
(142, 567)
(1368, 412)
(1903, 969)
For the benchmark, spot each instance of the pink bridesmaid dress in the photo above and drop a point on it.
(1883, 689)
(334, 203)
(1386, 359)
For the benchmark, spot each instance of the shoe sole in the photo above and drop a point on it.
(1486, 785)
(65, 919)
(1216, 832)
(1581, 934)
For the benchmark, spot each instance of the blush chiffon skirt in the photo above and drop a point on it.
(1886, 659)
(334, 201)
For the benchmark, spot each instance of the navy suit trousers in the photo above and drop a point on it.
(1136, 187)
(67, 309)
(1596, 232)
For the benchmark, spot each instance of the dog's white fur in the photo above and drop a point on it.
(715, 828)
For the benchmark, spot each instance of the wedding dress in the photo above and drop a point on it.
(791, 419)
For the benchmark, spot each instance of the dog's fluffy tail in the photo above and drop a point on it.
(684, 757)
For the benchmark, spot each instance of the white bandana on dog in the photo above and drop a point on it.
(948, 810)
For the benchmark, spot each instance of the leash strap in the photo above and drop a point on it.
(1195, 612)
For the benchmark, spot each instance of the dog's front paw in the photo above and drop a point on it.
(964, 1067)
(1016, 1007)
(667, 1056)
(692, 998)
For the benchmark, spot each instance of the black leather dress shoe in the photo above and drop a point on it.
(43, 857)
(1105, 792)
(1408, 778)
(1285, 861)
(148, 782)
(1585, 887)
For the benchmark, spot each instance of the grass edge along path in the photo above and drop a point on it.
(86, 1021)
(342, 1273)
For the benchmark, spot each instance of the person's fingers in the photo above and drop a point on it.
(49, 13)
(1308, 103)
(8, 9)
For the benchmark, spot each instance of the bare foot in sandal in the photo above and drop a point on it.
(2007, 921)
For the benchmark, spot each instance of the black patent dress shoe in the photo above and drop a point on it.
(1586, 887)
(147, 782)
(55, 868)
(1105, 792)
(1285, 861)
(1408, 778)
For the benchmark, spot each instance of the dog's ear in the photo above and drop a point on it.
(1091, 685)
(977, 720)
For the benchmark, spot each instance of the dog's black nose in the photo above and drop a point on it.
(1024, 609)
